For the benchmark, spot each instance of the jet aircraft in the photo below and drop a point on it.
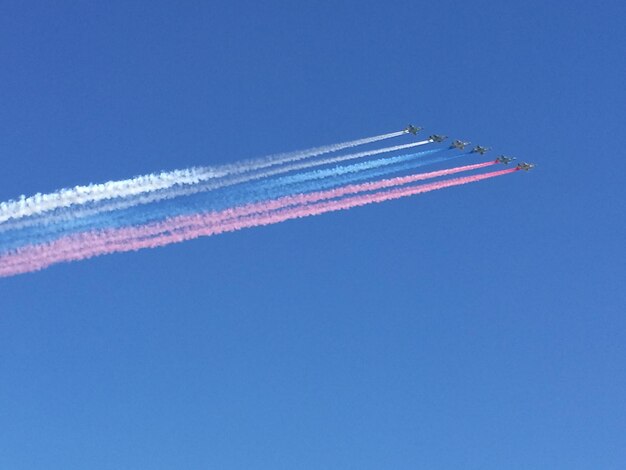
(504, 159)
(479, 149)
(525, 166)
(459, 144)
(411, 129)
(438, 138)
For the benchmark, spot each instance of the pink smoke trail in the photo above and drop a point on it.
(86, 245)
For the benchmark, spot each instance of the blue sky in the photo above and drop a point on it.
(476, 327)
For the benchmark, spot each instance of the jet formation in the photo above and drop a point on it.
(460, 145)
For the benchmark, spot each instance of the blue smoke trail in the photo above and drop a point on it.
(342, 170)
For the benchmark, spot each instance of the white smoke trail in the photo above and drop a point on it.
(272, 160)
(28, 206)
(182, 190)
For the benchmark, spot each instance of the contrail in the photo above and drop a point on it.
(92, 208)
(265, 162)
(27, 206)
(178, 229)
(252, 192)
(205, 203)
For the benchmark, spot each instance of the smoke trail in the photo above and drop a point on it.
(253, 192)
(86, 245)
(27, 206)
(92, 208)
(259, 163)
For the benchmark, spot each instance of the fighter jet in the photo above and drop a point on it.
(438, 138)
(459, 144)
(525, 166)
(411, 129)
(479, 149)
(504, 159)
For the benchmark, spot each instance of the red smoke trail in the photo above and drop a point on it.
(177, 229)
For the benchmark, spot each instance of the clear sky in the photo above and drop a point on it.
(476, 327)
